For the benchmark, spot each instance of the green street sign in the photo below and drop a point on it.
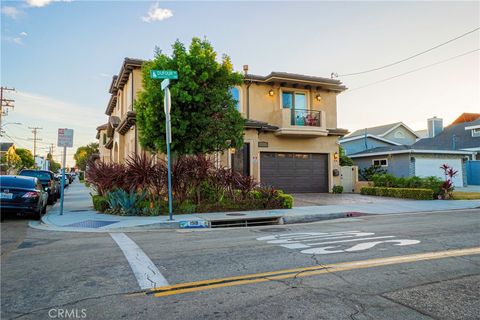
(163, 74)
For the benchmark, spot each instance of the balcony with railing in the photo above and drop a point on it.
(302, 123)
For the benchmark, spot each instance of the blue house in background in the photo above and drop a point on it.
(456, 145)
(394, 134)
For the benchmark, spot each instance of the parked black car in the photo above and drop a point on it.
(47, 178)
(70, 177)
(22, 195)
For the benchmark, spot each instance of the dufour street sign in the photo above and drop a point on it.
(167, 75)
(163, 74)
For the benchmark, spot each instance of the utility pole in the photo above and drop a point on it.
(5, 104)
(35, 139)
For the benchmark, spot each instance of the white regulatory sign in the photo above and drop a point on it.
(65, 138)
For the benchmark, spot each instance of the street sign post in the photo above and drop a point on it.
(65, 140)
(167, 103)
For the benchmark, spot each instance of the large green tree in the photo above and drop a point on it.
(83, 154)
(26, 158)
(203, 112)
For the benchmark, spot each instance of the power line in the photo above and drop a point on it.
(335, 75)
(415, 70)
(11, 139)
(39, 142)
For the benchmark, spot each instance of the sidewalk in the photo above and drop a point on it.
(79, 215)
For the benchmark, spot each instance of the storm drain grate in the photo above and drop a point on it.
(90, 224)
(244, 222)
(78, 210)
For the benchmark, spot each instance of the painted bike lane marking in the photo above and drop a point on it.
(314, 242)
(147, 274)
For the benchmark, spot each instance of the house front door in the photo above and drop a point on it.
(241, 160)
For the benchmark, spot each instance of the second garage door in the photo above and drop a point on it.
(294, 172)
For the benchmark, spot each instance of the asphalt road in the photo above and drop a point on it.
(410, 266)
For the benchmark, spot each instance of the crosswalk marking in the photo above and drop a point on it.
(147, 274)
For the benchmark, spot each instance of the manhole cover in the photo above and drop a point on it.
(236, 214)
(274, 230)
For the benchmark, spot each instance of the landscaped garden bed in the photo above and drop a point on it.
(139, 188)
(428, 188)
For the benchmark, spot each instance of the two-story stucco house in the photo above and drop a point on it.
(121, 140)
(291, 135)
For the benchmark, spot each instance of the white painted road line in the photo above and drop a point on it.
(147, 274)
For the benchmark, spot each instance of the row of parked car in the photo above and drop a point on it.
(31, 191)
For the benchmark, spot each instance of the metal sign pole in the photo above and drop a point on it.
(64, 157)
(167, 102)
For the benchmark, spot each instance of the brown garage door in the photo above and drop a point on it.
(294, 172)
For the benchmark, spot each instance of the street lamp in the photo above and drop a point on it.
(3, 125)
(17, 123)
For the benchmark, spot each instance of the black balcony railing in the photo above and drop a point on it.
(302, 117)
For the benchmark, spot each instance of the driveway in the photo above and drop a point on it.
(323, 199)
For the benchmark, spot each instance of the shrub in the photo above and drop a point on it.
(100, 203)
(125, 203)
(337, 189)
(286, 200)
(404, 193)
(367, 173)
(390, 181)
(106, 176)
(140, 187)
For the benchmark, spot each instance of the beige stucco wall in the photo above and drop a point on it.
(104, 153)
(125, 145)
(264, 107)
(325, 145)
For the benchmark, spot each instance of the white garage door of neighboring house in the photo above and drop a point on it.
(431, 167)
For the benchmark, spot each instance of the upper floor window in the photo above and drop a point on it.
(476, 132)
(104, 138)
(235, 92)
(294, 100)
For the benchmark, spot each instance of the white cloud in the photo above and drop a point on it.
(105, 75)
(11, 12)
(43, 3)
(23, 34)
(16, 40)
(157, 14)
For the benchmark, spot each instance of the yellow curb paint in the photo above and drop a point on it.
(307, 271)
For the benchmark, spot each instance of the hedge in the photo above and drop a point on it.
(100, 203)
(404, 193)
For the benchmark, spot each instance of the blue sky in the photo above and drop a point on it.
(60, 56)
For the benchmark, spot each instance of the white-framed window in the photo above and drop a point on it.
(236, 94)
(399, 134)
(380, 162)
(476, 132)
